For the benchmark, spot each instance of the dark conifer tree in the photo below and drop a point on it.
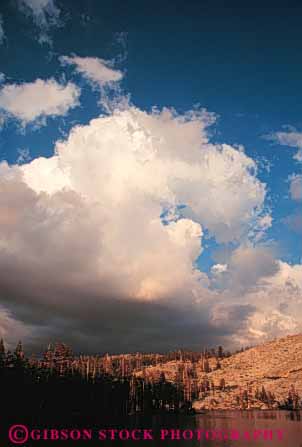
(222, 384)
(207, 368)
(2, 356)
(263, 395)
(220, 352)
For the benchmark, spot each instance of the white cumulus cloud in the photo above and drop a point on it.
(35, 101)
(115, 219)
(278, 300)
(168, 159)
(260, 298)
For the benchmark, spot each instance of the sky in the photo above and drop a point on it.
(150, 173)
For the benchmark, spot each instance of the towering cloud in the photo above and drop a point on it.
(104, 236)
(115, 220)
(162, 159)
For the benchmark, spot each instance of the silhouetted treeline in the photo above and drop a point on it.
(60, 385)
(55, 387)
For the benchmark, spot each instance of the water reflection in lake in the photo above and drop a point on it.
(230, 428)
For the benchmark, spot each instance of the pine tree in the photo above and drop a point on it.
(2, 354)
(222, 384)
(220, 352)
(162, 377)
(19, 361)
(295, 398)
(257, 394)
(206, 367)
(270, 398)
(290, 401)
(263, 395)
(9, 360)
(213, 387)
(245, 396)
(19, 350)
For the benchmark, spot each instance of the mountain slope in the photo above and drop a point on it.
(276, 366)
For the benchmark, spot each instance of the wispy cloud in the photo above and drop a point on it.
(2, 34)
(290, 138)
(45, 14)
(102, 76)
(296, 187)
(97, 71)
(294, 221)
(23, 156)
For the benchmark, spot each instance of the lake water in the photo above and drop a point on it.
(222, 429)
(212, 429)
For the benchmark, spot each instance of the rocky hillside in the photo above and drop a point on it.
(276, 366)
(261, 377)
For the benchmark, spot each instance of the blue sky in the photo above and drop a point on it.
(241, 62)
